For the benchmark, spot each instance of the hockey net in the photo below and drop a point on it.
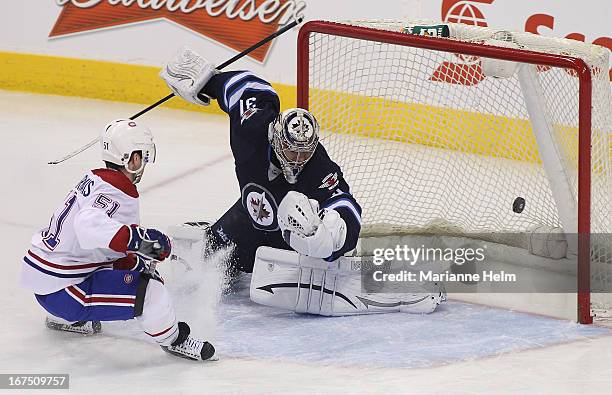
(429, 144)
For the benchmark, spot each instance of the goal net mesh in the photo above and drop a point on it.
(430, 144)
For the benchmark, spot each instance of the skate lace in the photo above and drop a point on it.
(191, 346)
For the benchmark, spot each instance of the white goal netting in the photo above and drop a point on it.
(430, 144)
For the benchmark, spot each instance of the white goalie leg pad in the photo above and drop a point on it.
(288, 280)
(189, 242)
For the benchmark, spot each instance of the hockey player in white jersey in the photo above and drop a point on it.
(93, 263)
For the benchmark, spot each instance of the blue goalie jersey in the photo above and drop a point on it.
(252, 104)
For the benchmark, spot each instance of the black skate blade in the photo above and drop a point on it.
(206, 354)
(176, 354)
(198, 223)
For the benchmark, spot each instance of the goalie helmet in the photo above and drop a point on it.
(121, 138)
(294, 136)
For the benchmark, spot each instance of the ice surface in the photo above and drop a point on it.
(456, 332)
(461, 348)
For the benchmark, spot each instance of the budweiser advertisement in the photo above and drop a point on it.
(235, 24)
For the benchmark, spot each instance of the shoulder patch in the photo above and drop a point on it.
(330, 181)
(248, 114)
(118, 180)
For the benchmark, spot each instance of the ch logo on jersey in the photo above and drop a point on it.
(261, 206)
(330, 181)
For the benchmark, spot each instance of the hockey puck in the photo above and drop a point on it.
(519, 205)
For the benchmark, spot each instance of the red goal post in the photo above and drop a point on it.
(578, 66)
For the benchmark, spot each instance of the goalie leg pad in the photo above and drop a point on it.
(189, 241)
(288, 280)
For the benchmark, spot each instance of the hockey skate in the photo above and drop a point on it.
(81, 327)
(188, 347)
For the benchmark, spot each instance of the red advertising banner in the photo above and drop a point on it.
(234, 23)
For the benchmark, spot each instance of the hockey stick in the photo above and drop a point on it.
(171, 95)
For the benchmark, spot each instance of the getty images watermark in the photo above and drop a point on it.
(416, 257)
(543, 262)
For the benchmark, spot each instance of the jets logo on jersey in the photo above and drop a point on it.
(330, 181)
(261, 206)
(259, 209)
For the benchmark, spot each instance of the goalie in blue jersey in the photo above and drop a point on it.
(293, 196)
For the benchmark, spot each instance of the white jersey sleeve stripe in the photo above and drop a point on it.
(348, 204)
(234, 80)
(255, 86)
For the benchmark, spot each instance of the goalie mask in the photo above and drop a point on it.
(294, 136)
(121, 138)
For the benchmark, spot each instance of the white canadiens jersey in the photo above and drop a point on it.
(76, 242)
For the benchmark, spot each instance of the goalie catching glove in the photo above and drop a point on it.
(187, 74)
(307, 230)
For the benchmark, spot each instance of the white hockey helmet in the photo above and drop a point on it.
(122, 137)
(294, 136)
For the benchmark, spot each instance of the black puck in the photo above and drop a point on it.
(519, 205)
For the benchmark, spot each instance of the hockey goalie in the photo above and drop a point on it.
(296, 217)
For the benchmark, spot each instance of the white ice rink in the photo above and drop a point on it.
(461, 348)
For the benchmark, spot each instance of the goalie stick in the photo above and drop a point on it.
(242, 54)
